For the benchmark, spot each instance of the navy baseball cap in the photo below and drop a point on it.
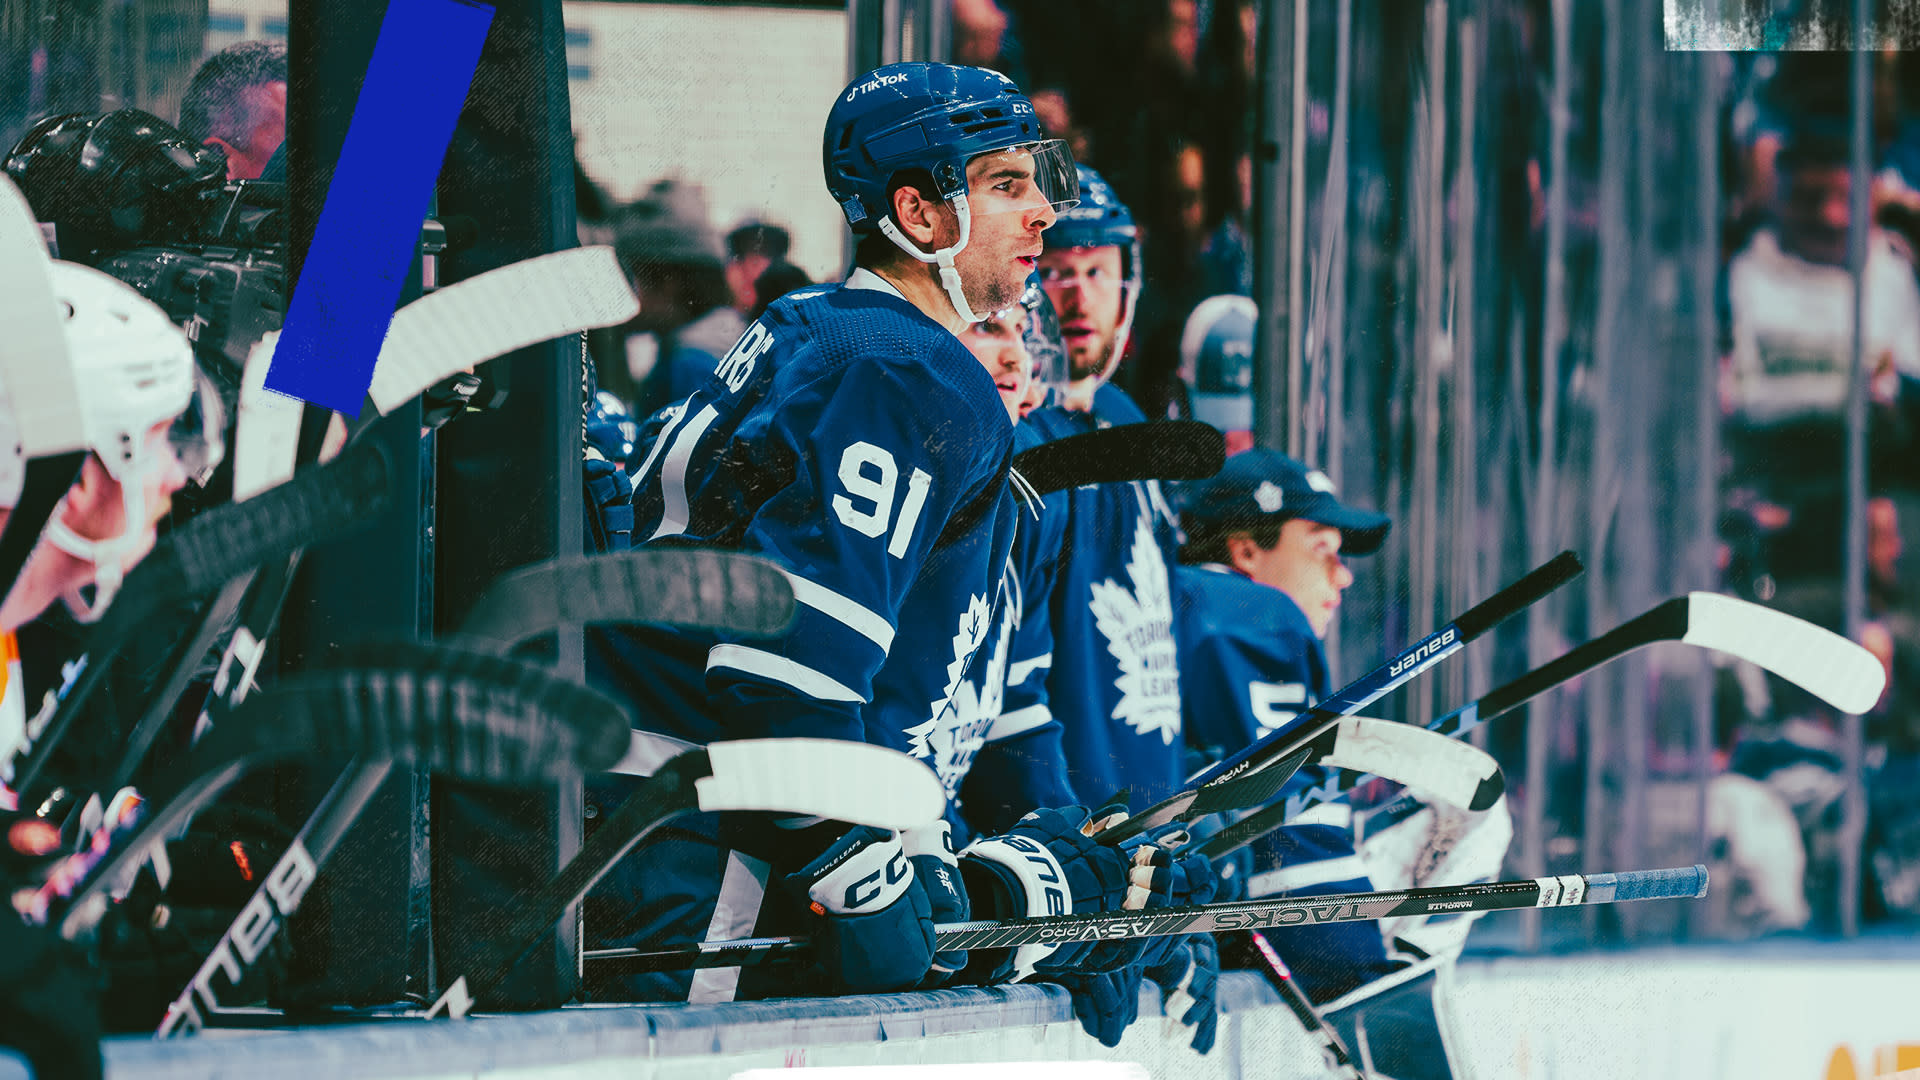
(1259, 484)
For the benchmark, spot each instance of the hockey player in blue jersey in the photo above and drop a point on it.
(851, 438)
(1114, 684)
(1261, 580)
(1264, 570)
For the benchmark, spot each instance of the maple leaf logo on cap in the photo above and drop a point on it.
(1268, 497)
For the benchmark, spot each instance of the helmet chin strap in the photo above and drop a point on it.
(107, 556)
(943, 258)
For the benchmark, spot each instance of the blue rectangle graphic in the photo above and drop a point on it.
(369, 227)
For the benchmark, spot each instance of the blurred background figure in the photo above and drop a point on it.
(751, 248)
(237, 101)
(687, 320)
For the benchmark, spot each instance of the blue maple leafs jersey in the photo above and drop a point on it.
(858, 444)
(1114, 684)
(993, 741)
(1249, 660)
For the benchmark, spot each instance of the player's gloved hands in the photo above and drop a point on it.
(1047, 864)
(1159, 877)
(937, 867)
(1106, 1003)
(873, 930)
(1187, 979)
(153, 942)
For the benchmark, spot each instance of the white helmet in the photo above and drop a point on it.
(134, 369)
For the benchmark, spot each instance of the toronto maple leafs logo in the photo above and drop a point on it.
(956, 725)
(1138, 626)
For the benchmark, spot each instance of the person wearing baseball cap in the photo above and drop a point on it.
(1261, 576)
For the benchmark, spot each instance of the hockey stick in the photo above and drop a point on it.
(1819, 661)
(1257, 773)
(37, 378)
(203, 556)
(1281, 979)
(1158, 450)
(797, 776)
(431, 339)
(477, 716)
(1569, 890)
(1413, 756)
(710, 589)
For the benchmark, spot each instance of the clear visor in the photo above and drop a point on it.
(197, 436)
(1043, 341)
(1024, 178)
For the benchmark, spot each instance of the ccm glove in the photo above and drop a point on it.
(1187, 980)
(873, 923)
(1047, 864)
(937, 868)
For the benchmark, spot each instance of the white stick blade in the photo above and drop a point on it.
(828, 778)
(38, 379)
(492, 314)
(1813, 658)
(1438, 765)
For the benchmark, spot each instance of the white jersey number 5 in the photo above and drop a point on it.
(871, 479)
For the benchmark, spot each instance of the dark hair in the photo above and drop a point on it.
(1208, 543)
(215, 104)
(874, 249)
(777, 280)
(1812, 147)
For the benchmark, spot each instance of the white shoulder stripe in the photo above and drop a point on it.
(1020, 670)
(1018, 722)
(673, 474)
(865, 621)
(781, 670)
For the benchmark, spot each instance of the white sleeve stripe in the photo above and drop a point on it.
(673, 474)
(1019, 671)
(865, 621)
(1303, 875)
(781, 670)
(1019, 721)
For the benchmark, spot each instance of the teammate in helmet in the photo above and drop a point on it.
(850, 437)
(1114, 682)
(152, 425)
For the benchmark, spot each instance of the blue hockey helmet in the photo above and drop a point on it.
(936, 118)
(1100, 220)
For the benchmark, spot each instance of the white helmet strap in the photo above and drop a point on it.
(108, 557)
(943, 258)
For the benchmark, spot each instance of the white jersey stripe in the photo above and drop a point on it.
(865, 621)
(673, 474)
(1021, 670)
(781, 670)
(1019, 721)
(1301, 875)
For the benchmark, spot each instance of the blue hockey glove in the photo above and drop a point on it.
(873, 931)
(1159, 877)
(937, 868)
(1106, 1003)
(1047, 864)
(1187, 980)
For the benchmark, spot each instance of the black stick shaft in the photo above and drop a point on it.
(1246, 779)
(1567, 891)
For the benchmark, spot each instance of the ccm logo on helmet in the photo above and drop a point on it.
(875, 83)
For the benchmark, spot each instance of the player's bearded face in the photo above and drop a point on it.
(1085, 287)
(1009, 211)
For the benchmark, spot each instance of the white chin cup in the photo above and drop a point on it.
(943, 258)
(107, 556)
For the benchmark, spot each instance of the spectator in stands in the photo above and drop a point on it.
(686, 321)
(237, 101)
(751, 247)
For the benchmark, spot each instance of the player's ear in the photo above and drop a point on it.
(1242, 552)
(919, 217)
